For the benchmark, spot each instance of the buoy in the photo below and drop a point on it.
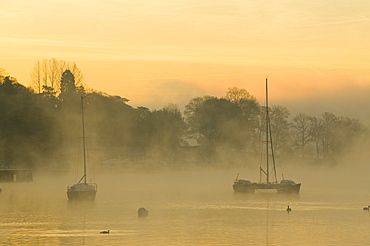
(288, 209)
(142, 213)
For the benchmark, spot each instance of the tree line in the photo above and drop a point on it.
(40, 127)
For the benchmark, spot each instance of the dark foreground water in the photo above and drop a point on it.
(187, 208)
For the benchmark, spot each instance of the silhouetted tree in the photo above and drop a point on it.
(47, 74)
(251, 111)
(329, 121)
(302, 133)
(2, 74)
(168, 130)
(221, 125)
(316, 136)
(190, 112)
(280, 128)
(347, 131)
(26, 130)
(111, 118)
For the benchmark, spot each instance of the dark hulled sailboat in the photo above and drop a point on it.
(284, 186)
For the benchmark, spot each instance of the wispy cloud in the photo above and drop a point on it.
(360, 19)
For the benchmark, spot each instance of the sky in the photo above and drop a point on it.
(316, 54)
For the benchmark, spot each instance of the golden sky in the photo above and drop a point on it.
(155, 52)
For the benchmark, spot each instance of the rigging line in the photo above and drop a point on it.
(83, 137)
(272, 152)
(261, 154)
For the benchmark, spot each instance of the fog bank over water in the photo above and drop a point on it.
(320, 180)
(346, 174)
(190, 207)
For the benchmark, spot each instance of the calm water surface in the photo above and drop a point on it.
(186, 208)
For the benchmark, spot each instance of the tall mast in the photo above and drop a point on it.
(83, 136)
(267, 135)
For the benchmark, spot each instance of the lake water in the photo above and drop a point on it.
(187, 208)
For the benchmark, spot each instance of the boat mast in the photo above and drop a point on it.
(83, 137)
(267, 135)
(269, 141)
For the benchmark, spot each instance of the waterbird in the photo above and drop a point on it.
(288, 209)
(142, 212)
(105, 232)
(366, 208)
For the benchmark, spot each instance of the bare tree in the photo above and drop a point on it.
(45, 72)
(316, 135)
(329, 121)
(47, 75)
(54, 73)
(36, 77)
(279, 126)
(302, 131)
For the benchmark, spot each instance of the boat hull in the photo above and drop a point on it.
(81, 195)
(244, 188)
(280, 188)
(82, 191)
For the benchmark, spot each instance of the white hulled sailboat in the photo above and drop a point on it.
(82, 190)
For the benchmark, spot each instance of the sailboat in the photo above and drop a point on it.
(284, 186)
(82, 190)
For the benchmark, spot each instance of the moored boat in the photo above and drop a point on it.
(284, 186)
(82, 190)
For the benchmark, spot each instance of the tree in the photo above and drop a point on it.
(54, 73)
(237, 95)
(329, 121)
(2, 74)
(168, 130)
(36, 77)
(279, 127)
(190, 112)
(69, 113)
(26, 129)
(111, 120)
(302, 131)
(47, 74)
(220, 124)
(67, 84)
(347, 131)
(316, 135)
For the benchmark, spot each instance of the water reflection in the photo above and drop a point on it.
(266, 196)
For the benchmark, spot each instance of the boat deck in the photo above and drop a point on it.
(280, 188)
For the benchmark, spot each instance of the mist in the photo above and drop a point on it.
(190, 206)
(350, 101)
(164, 131)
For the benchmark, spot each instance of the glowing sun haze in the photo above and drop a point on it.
(154, 52)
